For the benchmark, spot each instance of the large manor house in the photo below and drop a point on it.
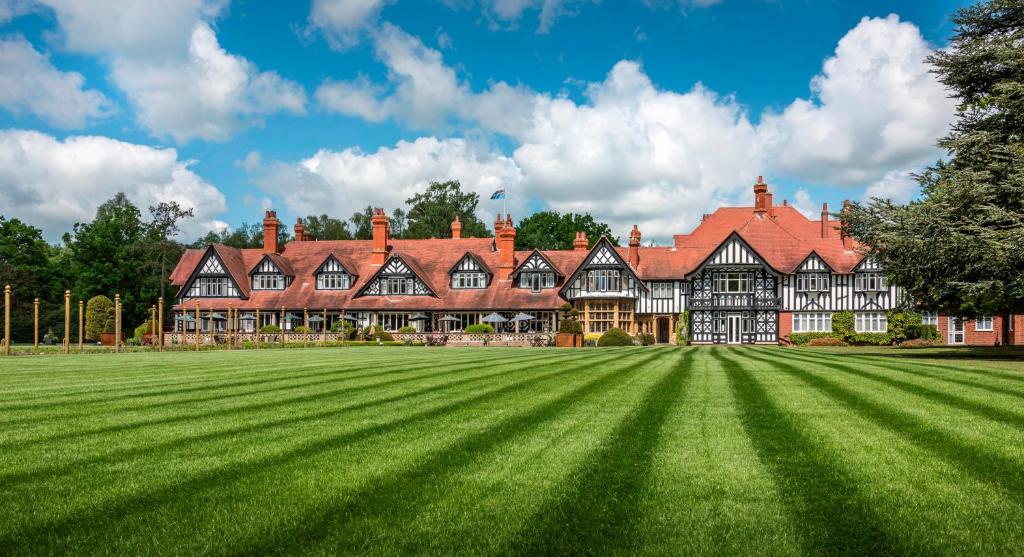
(745, 274)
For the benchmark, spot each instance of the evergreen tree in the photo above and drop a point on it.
(960, 247)
(550, 230)
(431, 213)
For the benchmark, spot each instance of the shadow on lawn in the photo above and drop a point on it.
(86, 521)
(986, 466)
(829, 514)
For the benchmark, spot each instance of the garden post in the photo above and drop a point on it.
(282, 326)
(152, 326)
(67, 321)
(81, 326)
(229, 326)
(323, 327)
(257, 327)
(35, 326)
(305, 323)
(160, 322)
(117, 323)
(198, 326)
(7, 320)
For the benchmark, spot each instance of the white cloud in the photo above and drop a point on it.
(897, 186)
(210, 95)
(511, 11)
(342, 182)
(10, 9)
(53, 183)
(29, 83)
(342, 21)
(806, 205)
(875, 107)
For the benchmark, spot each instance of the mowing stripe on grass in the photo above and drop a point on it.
(61, 530)
(384, 495)
(991, 468)
(601, 508)
(135, 451)
(947, 399)
(930, 362)
(829, 513)
(916, 369)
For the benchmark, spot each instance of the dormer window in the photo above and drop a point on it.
(333, 276)
(396, 286)
(812, 282)
(268, 282)
(870, 282)
(469, 279)
(536, 280)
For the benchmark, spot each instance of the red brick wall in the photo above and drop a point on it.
(974, 337)
(785, 324)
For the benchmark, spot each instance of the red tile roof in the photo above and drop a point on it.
(784, 238)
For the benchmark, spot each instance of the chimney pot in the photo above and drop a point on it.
(581, 243)
(270, 227)
(761, 196)
(381, 242)
(826, 226)
(456, 228)
(634, 247)
(506, 243)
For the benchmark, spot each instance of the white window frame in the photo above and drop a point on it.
(469, 280)
(812, 282)
(333, 280)
(267, 281)
(604, 280)
(733, 283)
(984, 323)
(396, 286)
(812, 322)
(213, 287)
(662, 290)
(871, 322)
(870, 282)
(930, 318)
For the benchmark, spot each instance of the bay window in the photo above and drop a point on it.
(818, 322)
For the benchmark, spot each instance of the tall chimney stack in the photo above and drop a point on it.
(506, 242)
(760, 193)
(498, 223)
(456, 228)
(581, 243)
(380, 237)
(826, 226)
(270, 227)
(300, 230)
(634, 247)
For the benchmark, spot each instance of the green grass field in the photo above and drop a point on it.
(513, 451)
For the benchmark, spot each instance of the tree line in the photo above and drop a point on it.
(124, 251)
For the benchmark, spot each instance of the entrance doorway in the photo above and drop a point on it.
(734, 330)
(663, 330)
(956, 330)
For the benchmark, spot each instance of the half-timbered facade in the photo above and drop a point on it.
(744, 275)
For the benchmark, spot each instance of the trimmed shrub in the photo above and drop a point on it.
(825, 341)
(480, 328)
(615, 337)
(99, 317)
(302, 329)
(902, 324)
(379, 333)
(406, 329)
(683, 328)
(800, 339)
(270, 329)
(141, 330)
(919, 343)
(570, 326)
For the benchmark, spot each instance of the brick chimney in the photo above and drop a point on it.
(634, 247)
(506, 242)
(760, 193)
(580, 243)
(380, 237)
(456, 228)
(678, 240)
(300, 230)
(847, 243)
(270, 227)
(768, 205)
(498, 224)
(826, 226)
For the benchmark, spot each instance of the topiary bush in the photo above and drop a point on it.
(270, 329)
(683, 328)
(302, 329)
(406, 329)
(140, 331)
(825, 341)
(570, 326)
(99, 317)
(480, 328)
(615, 337)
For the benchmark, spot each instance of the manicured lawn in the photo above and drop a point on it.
(729, 451)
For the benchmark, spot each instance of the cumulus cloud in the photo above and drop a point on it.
(341, 182)
(166, 59)
(210, 95)
(54, 183)
(875, 107)
(10, 9)
(343, 21)
(29, 83)
(510, 12)
(897, 186)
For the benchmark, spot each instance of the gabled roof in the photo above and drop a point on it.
(601, 245)
(483, 266)
(734, 237)
(230, 260)
(406, 261)
(280, 262)
(540, 254)
(808, 258)
(345, 263)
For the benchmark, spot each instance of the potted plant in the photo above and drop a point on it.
(570, 334)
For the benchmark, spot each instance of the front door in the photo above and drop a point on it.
(956, 330)
(662, 330)
(735, 328)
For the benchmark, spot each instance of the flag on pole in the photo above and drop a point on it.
(500, 194)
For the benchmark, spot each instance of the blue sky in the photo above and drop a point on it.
(639, 112)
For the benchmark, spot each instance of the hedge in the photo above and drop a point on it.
(800, 339)
(480, 328)
(615, 337)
